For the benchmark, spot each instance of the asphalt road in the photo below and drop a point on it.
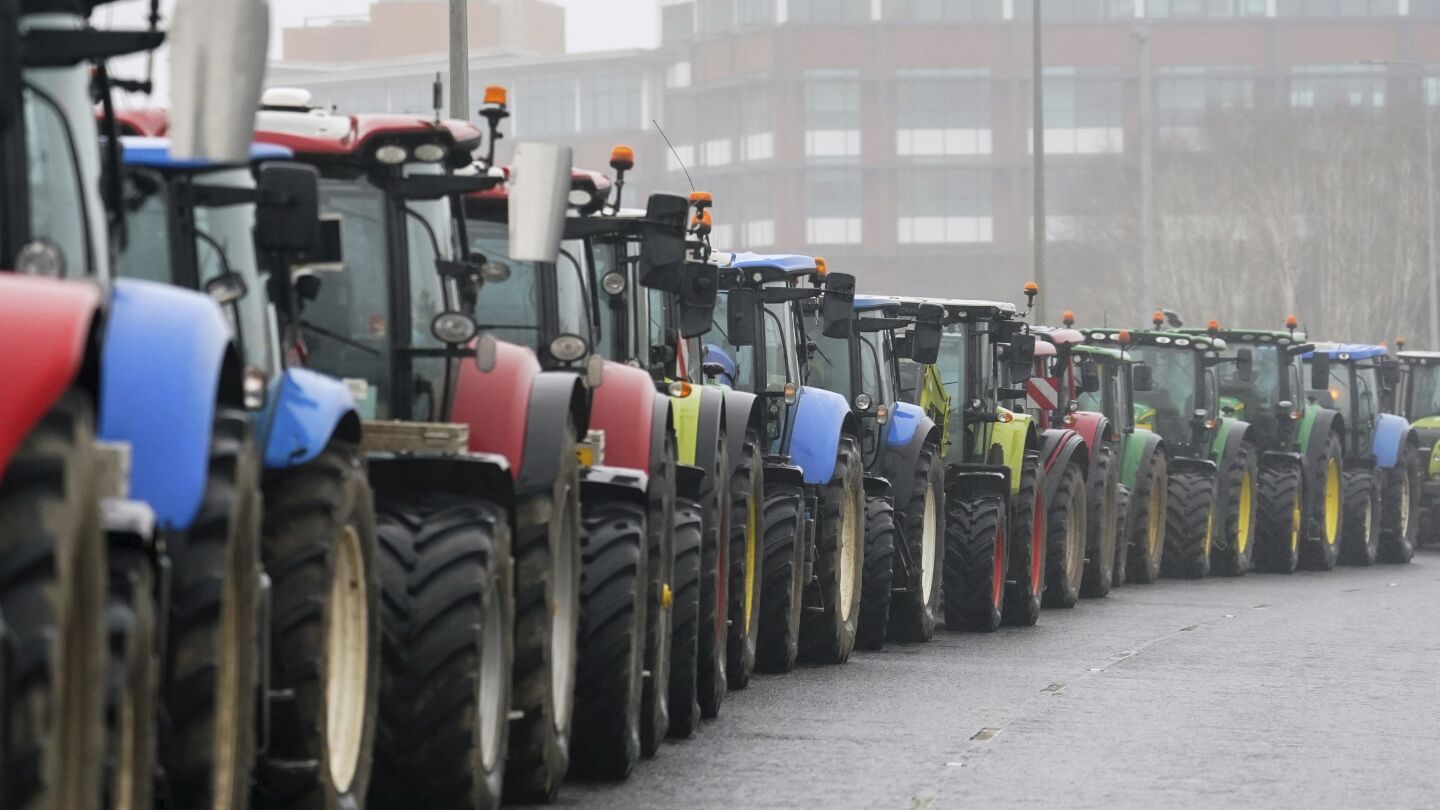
(1315, 690)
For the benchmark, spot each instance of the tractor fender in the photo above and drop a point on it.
(1433, 461)
(480, 475)
(50, 330)
(742, 412)
(1202, 466)
(778, 472)
(1058, 448)
(699, 427)
(690, 482)
(1392, 434)
(901, 460)
(1014, 438)
(1093, 427)
(1319, 423)
(963, 480)
(624, 483)
(1140, 447)
(1279, 458)
(905, 421)
(1227, 441)
(624, 407)
(168, 360)
(820, 419)
(685, 414)
(877, 486)
(494, 402)
(303, 411)
(661, 426)
(554, 398)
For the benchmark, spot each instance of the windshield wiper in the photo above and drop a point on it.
(351, 342)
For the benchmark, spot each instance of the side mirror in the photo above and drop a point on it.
(1319, 371)
(1245, 365)
(1142, 378)
(1389, 373)
(741, 311)
(925, 343)
(327, 253)
(837, 308)
(662, 246)
(1022, 350)
(1090, 377)
(539, 193)
(287, 216)
(699, 290)
(1005, 331)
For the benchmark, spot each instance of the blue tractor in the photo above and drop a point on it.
(1383, 474)
(234, 230)
(814, 514)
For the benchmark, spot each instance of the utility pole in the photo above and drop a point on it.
(1147, 169)
(1038, 137)
(460, 59)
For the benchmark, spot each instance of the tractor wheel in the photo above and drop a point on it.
(1325, 510)
(711, 678)
(782, 574)
(827, 636)
(445, 682)
(1400, 507)
(1101, 509)
(547, 617)
(1189, 525)
(1360, 536)
(879, 573)
(1025, 579)
(749, 549)
(974, 562)
(211, 673)
(52, 595)
(610, 677)
(1122, 536)
(131, 678)
(1235, 539)
(1280, 522)
(1066, 521)
(685, 648)
(915, 610)
(660, 590)
(1148, 524)
(320, 550)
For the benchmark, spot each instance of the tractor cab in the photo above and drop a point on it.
(1259, 380)
(1359, 382)
(1418, 398)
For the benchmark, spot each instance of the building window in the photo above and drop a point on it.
(828, 11)
(834, 205)
(1429, 9)
(757, 120)
(944, 205)
(1188, 95)
(677, 21)
(677, 76)
(545, 107)
(1084, 113)
(757, 208)
(1338, 8)
(611, 102)
(755, 12)
(944, 9)
(1078, 10)
(1357, 86)
(832, 114)
(1193, 9)
(716, 152)
(716, 16)
(942, 113)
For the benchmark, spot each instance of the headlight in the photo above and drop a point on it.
(429, 153)
(453, 328)
(613, 283)
(580, 198)
(254, 388)
(494, 272)
(392, 155)
(568, 348)
(862, 402)
(40, 258)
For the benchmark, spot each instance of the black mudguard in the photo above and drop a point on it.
(964, 480)
(877, 487)
(662, 425)
(556, 397)
(1366, 463)
(691, 482)
(900, 462)
(780, 471)
(742, 411)
(615, 482)
(1277, 458)
(474, 474)
(1233, 440)
(1202, 466)
(708, 434)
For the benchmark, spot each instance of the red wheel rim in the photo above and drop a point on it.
(1037, 542)
(998, 587)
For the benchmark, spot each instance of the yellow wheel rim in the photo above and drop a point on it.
(1209, 531)
(1157, 519)
(1332, 502)
(1247, 495)
(347, 643)
(1295, 523)
(752, 521)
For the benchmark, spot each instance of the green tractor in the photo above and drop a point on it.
(1419, 401)
(1211, 463)
(1299, 507)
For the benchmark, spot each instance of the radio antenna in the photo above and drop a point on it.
(675, 153)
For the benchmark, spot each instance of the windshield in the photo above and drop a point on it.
(1357, 408)
(231, 228)
(781, 365)
(1170, 405)
(830, 366)
(1423, 397)
(147, 251)
(57, 199)
(1255, 399)
(512, 309)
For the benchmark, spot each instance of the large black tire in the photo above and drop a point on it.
(609, 677)
(547, 620)
(1148, 524)
(1025, 579)
(1324, 509)
(448, 633)
(1280, 522)
(660, 594)
(1400, 508)
(879, 573)
(685, 647)
(1122, 536)
(320, 550)
(210, 673)
(1065, 523)
(749, 547)
(131, 677)
(827, 636)
(974, 562)
(1235, 520)
(915, 609)
(712, 682)
(1102, 512)
(782, 572)
(1189, 525)
(1360, 537)
(52, 595)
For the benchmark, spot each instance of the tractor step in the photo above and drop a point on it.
(415, 437)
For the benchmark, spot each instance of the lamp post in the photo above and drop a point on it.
(1423, 72)
(460, 59)
(1040, 227)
